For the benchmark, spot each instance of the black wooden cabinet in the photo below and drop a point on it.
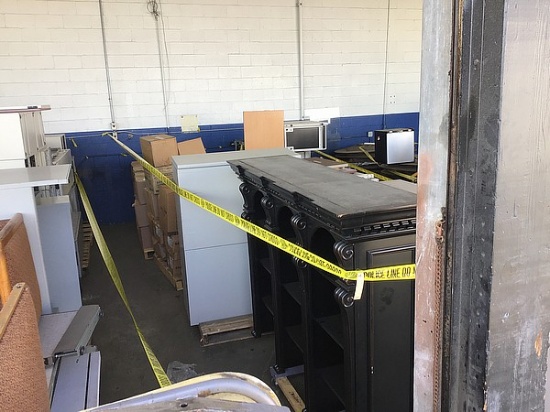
(356, 354)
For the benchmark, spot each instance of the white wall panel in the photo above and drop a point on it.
(224, 56)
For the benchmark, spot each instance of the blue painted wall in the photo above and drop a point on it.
(349, 131)
(104, 167)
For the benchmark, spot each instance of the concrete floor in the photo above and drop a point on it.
(160, 313)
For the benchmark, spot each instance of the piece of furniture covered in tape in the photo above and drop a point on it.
(356, 355)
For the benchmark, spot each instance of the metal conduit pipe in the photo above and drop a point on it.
(107, 70)
(300, 58)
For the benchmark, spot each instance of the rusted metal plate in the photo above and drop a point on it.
(433, 151)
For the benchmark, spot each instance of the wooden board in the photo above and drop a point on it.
(225, 330)
(264, 129)
(177, 282)
(294, 400)
(148, 253)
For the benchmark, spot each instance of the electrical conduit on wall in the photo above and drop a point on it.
(107, 70)
(300, 56)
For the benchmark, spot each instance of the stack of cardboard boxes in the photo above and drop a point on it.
(140, 208)
(161, 201)
(166, 228)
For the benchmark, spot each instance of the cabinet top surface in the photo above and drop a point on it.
(220, 158)
(34, 176)
(336, 192)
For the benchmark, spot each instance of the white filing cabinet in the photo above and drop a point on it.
(215, 267)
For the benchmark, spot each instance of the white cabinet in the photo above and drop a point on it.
(17, 195)
(215, 254)
(22, 137)
(58, 226)
(47, 198)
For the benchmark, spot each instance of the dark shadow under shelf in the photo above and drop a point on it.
(332, 325)
(294, 289)
(333, 376)
(266, 264)
(296, 333)
(268, 302)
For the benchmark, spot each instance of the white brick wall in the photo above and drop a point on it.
(345, 53)
(225, 56)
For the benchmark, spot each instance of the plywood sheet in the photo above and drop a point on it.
(264, 129)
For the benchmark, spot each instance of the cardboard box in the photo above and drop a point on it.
(173, 241)
(173, 249)
(141, 214)
(158, 149)
(193, 146)
(152, 183)
(152, 203)
(174, 253)
(167, 199)
(136, 167)
(167, 210)
(139, 188)
(173, 264)
(145, 238)
(160, 251)
(168, 222)
(138, 180)
(156, 231)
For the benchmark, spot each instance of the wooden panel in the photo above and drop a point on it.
(264, 129)
(295, 401)
(226, 330)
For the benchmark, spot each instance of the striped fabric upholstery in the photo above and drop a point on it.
(22, 374)
(16, 262)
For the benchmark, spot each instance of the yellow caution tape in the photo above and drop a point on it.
(161, 376)
(358, 168)
(403, 175)
(411, 178)
(398, 272)
(368, 155)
